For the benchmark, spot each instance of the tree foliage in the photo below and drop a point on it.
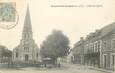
(56, 45)
(5, 52)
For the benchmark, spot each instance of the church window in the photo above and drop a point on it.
(16, 54)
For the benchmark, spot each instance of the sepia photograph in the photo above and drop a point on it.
(57, 36)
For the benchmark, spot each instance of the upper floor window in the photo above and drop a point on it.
(113, 44)
(86, 48)
(91, 47)
(99, 45)
(96, 46)
(104, 45)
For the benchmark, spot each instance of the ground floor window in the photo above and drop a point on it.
(113, 59)
(105, 60)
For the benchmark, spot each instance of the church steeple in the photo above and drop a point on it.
(27, 50)
(27, 28)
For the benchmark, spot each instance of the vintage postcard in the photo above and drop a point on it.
(57, 36)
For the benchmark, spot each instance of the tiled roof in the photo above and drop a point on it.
(99, 33)
(102, 32)
(107, 29)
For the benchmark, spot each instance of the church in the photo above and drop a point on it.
(27, 51)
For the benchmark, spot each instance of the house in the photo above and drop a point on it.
(99, 48)
(70, 56)
(78, 52)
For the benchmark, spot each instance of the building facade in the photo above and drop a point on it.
(92, 48)
(78, 52)
(70, 57)
(27, 51)
(99, 48)
(107, 55)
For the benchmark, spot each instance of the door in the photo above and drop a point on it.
(105, 61)
(26, 57)
(113, 61)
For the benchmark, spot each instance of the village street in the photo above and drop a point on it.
(66, 68)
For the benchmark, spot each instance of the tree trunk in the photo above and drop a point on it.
(8, 62)
(54, 61)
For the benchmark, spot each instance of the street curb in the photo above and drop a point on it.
(102, 70)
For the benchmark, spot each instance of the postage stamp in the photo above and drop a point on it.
(8, 15)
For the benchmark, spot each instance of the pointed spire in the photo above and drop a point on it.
(27, 28)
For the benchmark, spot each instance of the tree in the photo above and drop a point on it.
(5, 52)
(2, 50)
(56, 45)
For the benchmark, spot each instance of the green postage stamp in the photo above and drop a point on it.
(8, 15)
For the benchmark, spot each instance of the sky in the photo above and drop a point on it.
(75, 22)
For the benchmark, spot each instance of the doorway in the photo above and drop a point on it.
(26, 57)
(105, 61)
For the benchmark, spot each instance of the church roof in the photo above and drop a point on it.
(17, 47)
(27, 39)
(27, 25)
